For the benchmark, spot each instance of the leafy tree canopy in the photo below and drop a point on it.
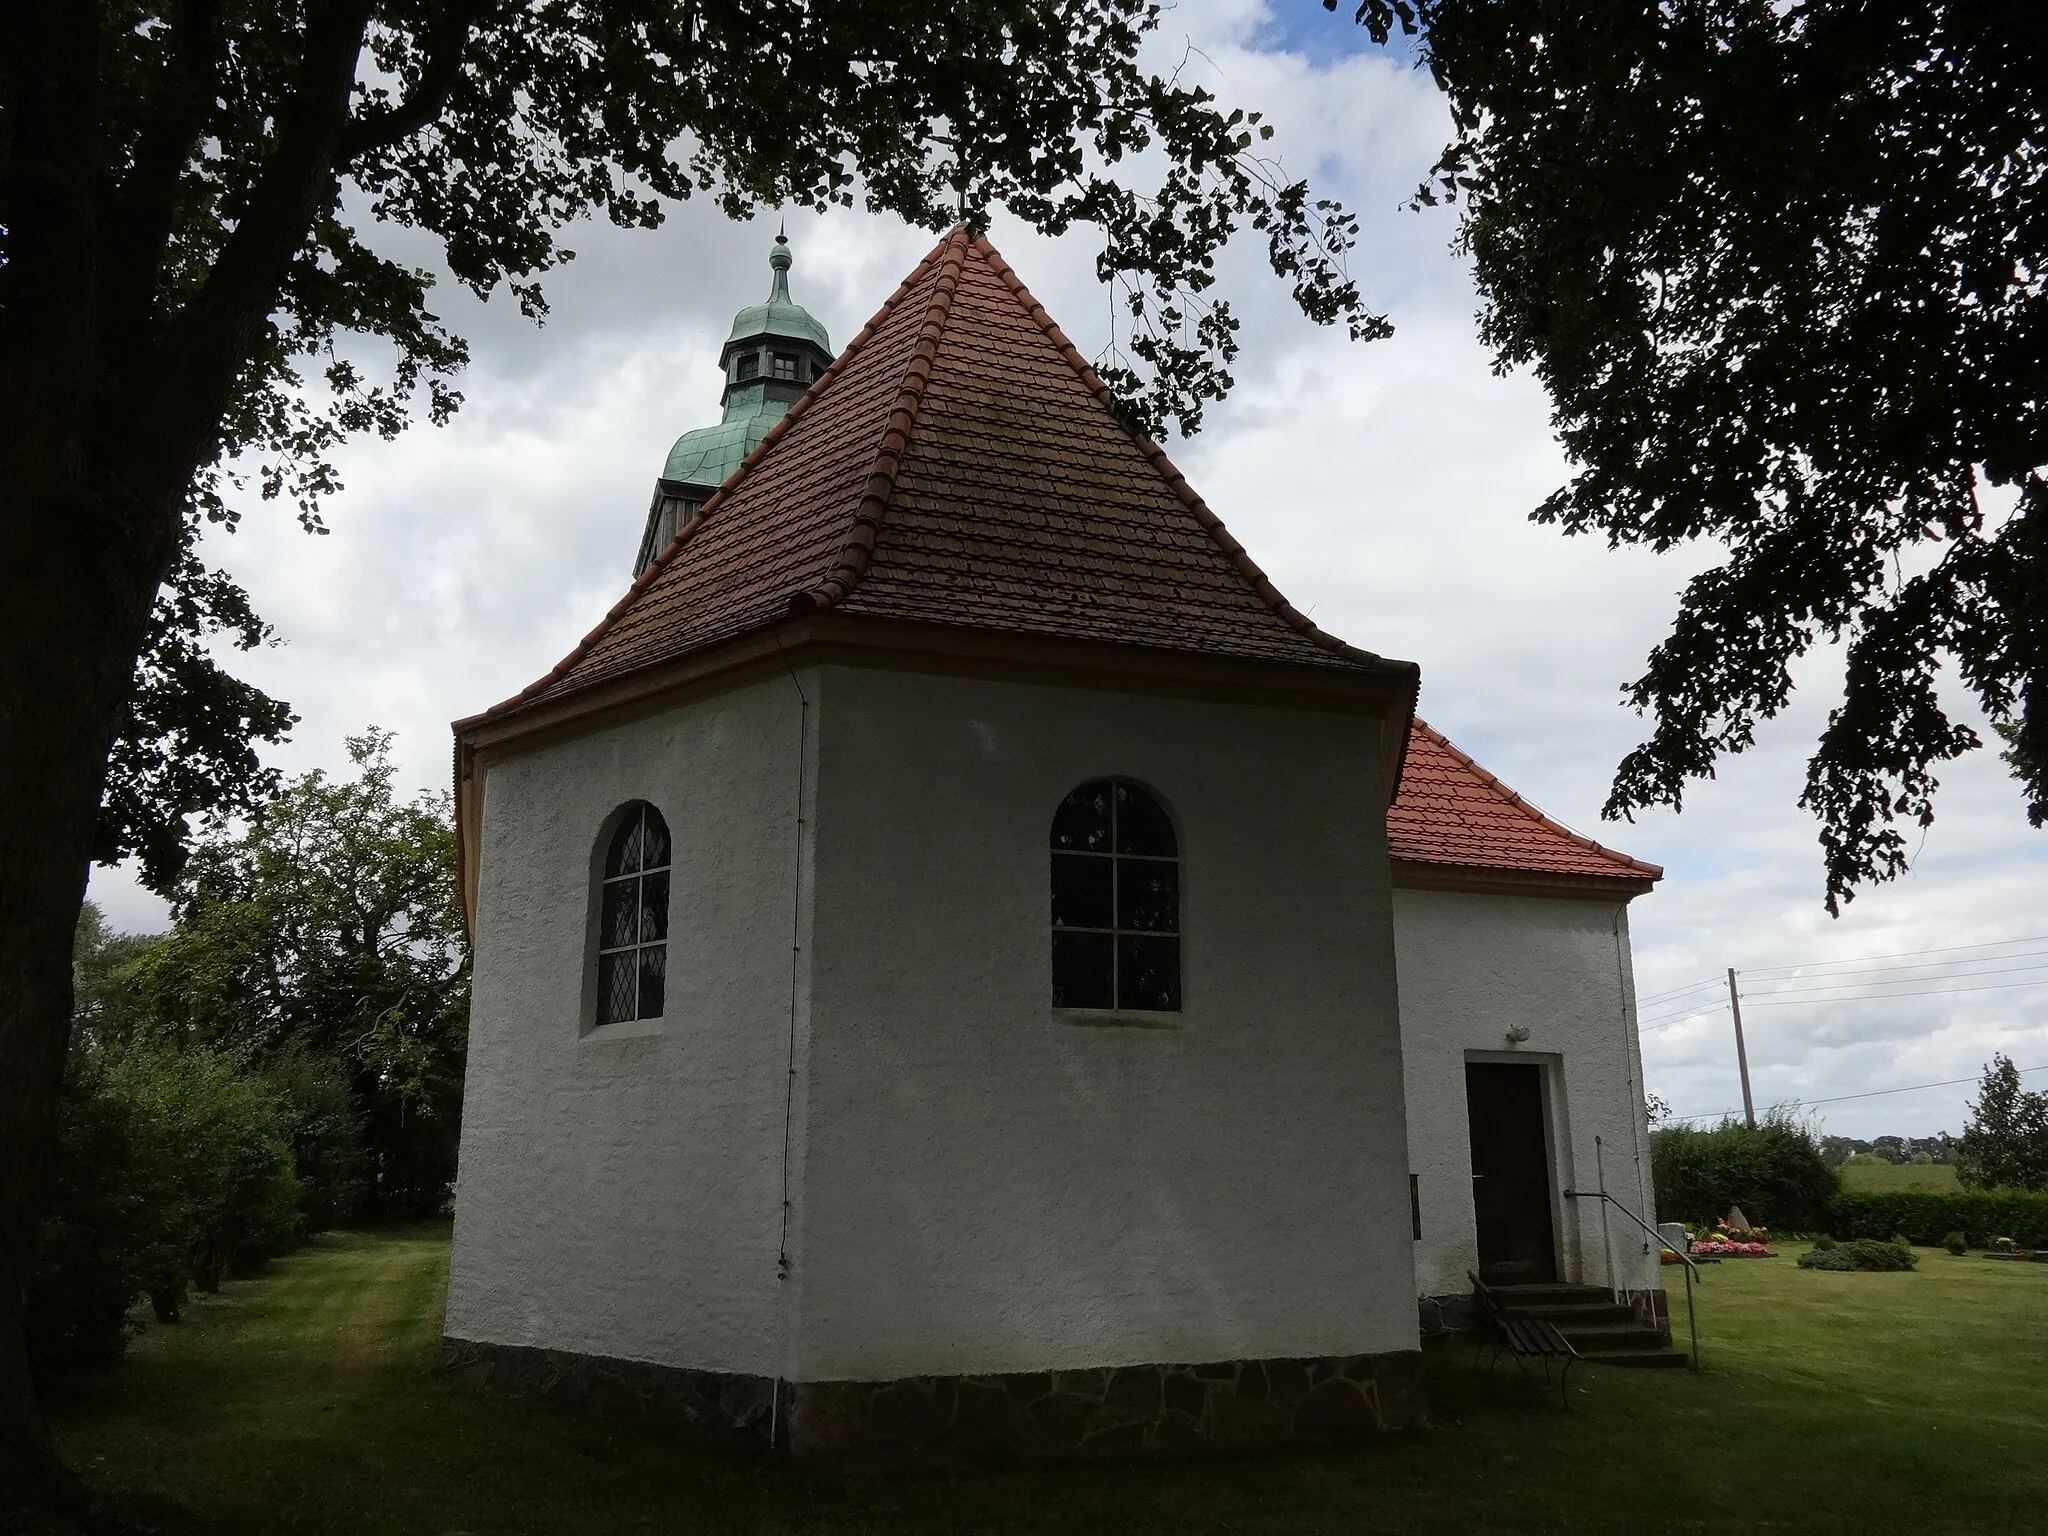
(331, 924)
(1783, 268)
(187, 745)
(2005, 1145)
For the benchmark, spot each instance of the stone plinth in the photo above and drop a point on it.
(1037, 1416)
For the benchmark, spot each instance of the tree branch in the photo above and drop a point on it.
(179, 410)
(140, 223)
(379, 129)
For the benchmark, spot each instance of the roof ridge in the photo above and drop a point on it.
(1178, 483)
(859, 547)
(724, 492)
(1493, 782)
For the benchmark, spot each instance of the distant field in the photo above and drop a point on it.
(1885, 1178)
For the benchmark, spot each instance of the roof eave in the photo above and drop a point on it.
(1503, 880)
(1381, 688)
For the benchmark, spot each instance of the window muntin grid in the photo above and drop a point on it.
(632, 924)
(1115, 901)
(749, 365)
(784, 364)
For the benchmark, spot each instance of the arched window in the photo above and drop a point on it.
(632, 925)
(1115, 901)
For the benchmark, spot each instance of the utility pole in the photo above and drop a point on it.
(1741, 1053)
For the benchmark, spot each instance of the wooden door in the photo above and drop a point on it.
(1510, 1173)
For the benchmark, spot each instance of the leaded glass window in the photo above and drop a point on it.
(632, 931)
(1115, 901)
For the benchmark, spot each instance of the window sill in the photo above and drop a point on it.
(1123, 1018)
(627, 1029)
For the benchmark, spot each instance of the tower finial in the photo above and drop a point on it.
(779, 258)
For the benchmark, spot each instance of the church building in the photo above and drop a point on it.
(963, 966)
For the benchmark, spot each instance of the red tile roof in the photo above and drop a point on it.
(960, 464)
(1450, 811)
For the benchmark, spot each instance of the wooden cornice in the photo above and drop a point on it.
(1414, 875)
(856, 640)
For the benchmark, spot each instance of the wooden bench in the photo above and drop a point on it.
(1524, 1338)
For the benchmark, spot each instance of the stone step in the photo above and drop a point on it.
(1614, 1338)
(1568, 1315)
(1514, 1295)
(1653, 1359)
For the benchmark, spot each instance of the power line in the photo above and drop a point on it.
(1923, 965)
(1903, 954)
(1691, 986)
(1682, 1014)
(1853, 981)
(1875, 1093)
(1907, 981)
(1674, 1022)
(1885, 997)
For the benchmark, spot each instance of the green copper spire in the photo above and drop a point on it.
(775, 351)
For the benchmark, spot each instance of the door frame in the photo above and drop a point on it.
(1557, 1152)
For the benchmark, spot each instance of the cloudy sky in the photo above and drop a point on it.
(1385, 488)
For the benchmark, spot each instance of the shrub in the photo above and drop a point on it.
(325, 1135)
(1774, 1171)
(106, 1210)
(1928, 1217)
(1824, 1242)
(1861, 1254)
(1956, 1243)
(172, 1166)
(240, 1194)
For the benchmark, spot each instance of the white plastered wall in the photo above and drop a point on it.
(620, 1190)
(1474, 967)
(992, 1187)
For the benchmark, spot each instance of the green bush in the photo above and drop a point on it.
(1824, 1242)
(1774, 1171)
(1956, 1244)
(325, 1136)
(241, 1196)
(1860, 1254)
(105, 1219)
(1928, 1217)
(173, 1167)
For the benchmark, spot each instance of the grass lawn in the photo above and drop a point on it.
(307, 1401)
(1877, 1177)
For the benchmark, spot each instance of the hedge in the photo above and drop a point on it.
(1927, 1219)
(1773, 1171)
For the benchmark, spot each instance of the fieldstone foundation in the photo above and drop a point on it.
(724, 1405)
(1017, 1417)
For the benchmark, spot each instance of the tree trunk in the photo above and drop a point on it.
(77, 577)
(103, 430)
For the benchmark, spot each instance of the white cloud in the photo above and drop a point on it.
(1385, 488)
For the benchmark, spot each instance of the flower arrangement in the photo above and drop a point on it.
(1718, 1242)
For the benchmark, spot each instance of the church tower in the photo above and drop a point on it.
(776, 351)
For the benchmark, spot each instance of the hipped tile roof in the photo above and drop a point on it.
(960, 464)
(1451, 811)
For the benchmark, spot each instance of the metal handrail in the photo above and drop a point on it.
(1692, 1270)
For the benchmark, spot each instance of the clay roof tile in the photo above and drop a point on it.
(960, 464)
(1451, 811)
